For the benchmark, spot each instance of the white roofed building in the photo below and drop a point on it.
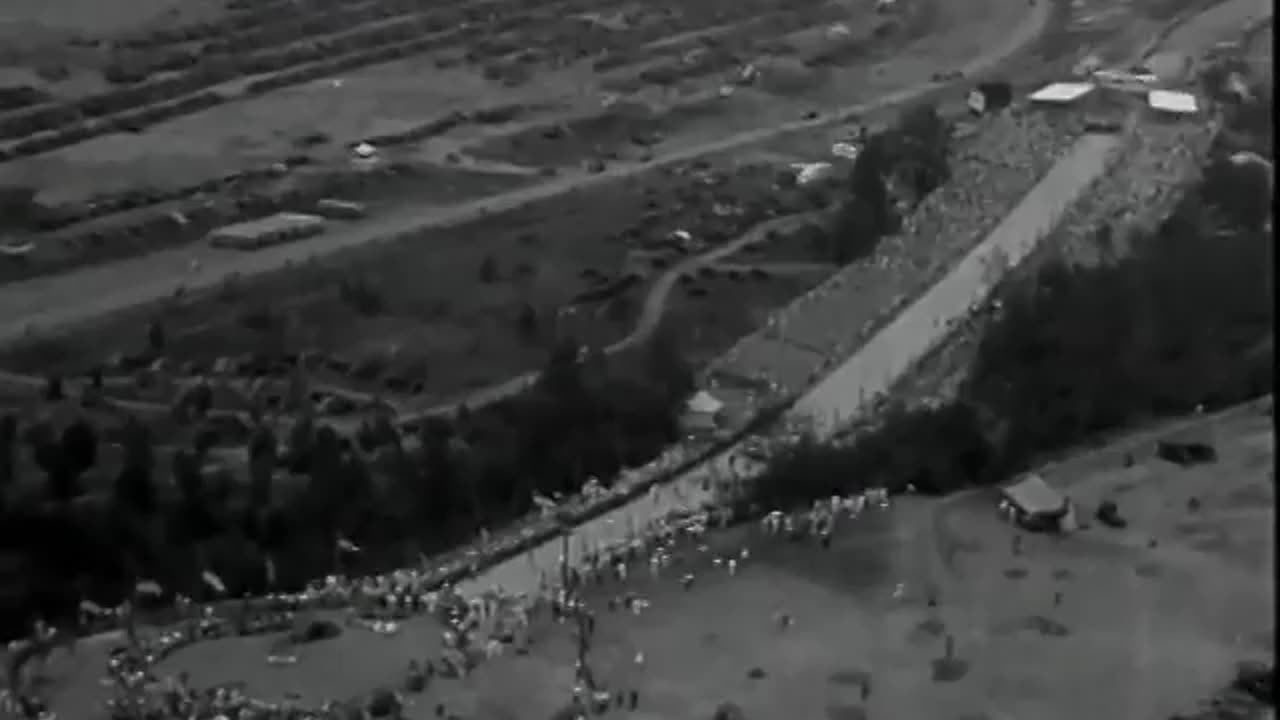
(1062, 93)
(1036, 505)
(1173, 102)
(703, 415)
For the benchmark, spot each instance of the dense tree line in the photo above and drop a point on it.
(1183, 322)
(393, 495)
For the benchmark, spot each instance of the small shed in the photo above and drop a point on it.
(1062, 93)
(1173, 102)
(1191, 446)
(703, 415)
(1036, 505)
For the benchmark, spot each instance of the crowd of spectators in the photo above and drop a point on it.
(379, 603)
(990, 173)
(1159, 159)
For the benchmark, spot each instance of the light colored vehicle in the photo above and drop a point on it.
(341, 209)
(264, 232)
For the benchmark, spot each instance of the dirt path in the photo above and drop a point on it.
(50, 303)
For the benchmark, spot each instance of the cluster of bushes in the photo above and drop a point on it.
(13, 97)
(1184, 322)
(393, 491)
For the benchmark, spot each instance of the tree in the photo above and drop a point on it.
(488, 269)
(188, 475)
(156, 336)
(562, 375)
(262, 466)
(867, 185)
(667, 366)
(53, 390)
(924, 140)
(856, 233)
(134, 486)
(198, 398)
(527, 323)
(301, 443)
(80, 446)
(1240, 191)
(8, 451)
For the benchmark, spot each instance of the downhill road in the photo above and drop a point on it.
(846, 391)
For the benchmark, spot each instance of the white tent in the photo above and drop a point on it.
(812, 172)
(1172, 101)
(845, 150)
(1062, 92)
(17, 249)
(704, 403)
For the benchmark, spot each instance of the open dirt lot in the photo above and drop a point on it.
(1134, 623)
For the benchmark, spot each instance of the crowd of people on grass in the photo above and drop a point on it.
(476, 628)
